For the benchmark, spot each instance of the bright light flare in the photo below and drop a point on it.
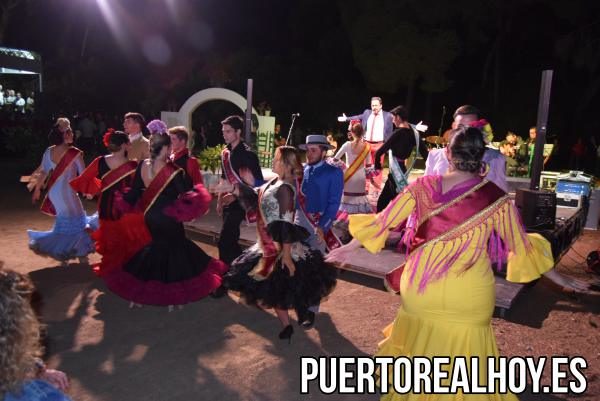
(112, 14)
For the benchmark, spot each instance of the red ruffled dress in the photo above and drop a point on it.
(120, 235)
(170, 269)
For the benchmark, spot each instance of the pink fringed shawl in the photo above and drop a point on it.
(453, 219)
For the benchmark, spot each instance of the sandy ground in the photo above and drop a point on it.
(217, 349)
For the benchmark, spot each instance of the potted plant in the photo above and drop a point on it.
(210, 164)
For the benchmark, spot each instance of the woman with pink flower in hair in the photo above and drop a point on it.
(120, 235)
(170, 269)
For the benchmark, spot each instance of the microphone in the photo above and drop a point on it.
(296, 115)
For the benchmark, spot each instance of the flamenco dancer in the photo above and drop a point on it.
(181, 157)
(358, 159)
(171, 269)
(280, 271)
(120, 235)
(448, 287)
(69, 236)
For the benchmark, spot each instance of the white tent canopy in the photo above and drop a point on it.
(20, 61)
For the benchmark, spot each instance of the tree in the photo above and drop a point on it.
(6, 9)
(399, 44)
(579, 53)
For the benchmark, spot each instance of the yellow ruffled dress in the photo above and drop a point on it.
(452, 315)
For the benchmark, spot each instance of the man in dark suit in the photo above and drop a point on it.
(378, 126)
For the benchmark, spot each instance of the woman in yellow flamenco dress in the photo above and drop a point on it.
(453, 223)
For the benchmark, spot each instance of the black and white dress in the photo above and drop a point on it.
(313, 279)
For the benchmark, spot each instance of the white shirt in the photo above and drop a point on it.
(377, 134)
(135, 137)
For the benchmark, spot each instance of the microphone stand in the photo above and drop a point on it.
(287, 141)
(441, 124)
(442, 120)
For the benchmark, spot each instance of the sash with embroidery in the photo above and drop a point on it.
(114, 176)
(270, 249)
(158, 184)
(400, 178)
(233, 178)
(65, 161)
(331, 240)
(446, 222)
(357, 163)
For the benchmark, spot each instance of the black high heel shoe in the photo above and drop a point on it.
(287, 333)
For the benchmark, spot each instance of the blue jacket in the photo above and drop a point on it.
(323, 190)
(388, 124)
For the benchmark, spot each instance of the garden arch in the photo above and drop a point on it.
(184, 115)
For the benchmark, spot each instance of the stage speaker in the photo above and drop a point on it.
(537, 208)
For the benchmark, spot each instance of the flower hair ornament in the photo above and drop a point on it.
(157, 127)
(486, 129)
(106, 137)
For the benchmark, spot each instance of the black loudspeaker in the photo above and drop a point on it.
(537, 208)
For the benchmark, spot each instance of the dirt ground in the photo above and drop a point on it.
(217, 349)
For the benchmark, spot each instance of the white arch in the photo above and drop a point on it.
(207, 95)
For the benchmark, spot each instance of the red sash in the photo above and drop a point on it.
(270, 248)
(114, 176)
(158, 184)
(68, 157)
(445, 219)
(234, 179)
(230, 173)
(331, 241)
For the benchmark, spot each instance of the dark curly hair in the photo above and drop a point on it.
(116, 140)
(157, 142)
(466, 149)
(19, 331)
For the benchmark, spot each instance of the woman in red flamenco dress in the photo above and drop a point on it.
(170, 269)
(120, 235)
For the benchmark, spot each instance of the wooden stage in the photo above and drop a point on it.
(207, 228)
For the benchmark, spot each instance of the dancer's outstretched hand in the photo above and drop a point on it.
(343, 254)
(343, 118)
(421, 127)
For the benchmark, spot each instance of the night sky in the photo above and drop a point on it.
(321, 58)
